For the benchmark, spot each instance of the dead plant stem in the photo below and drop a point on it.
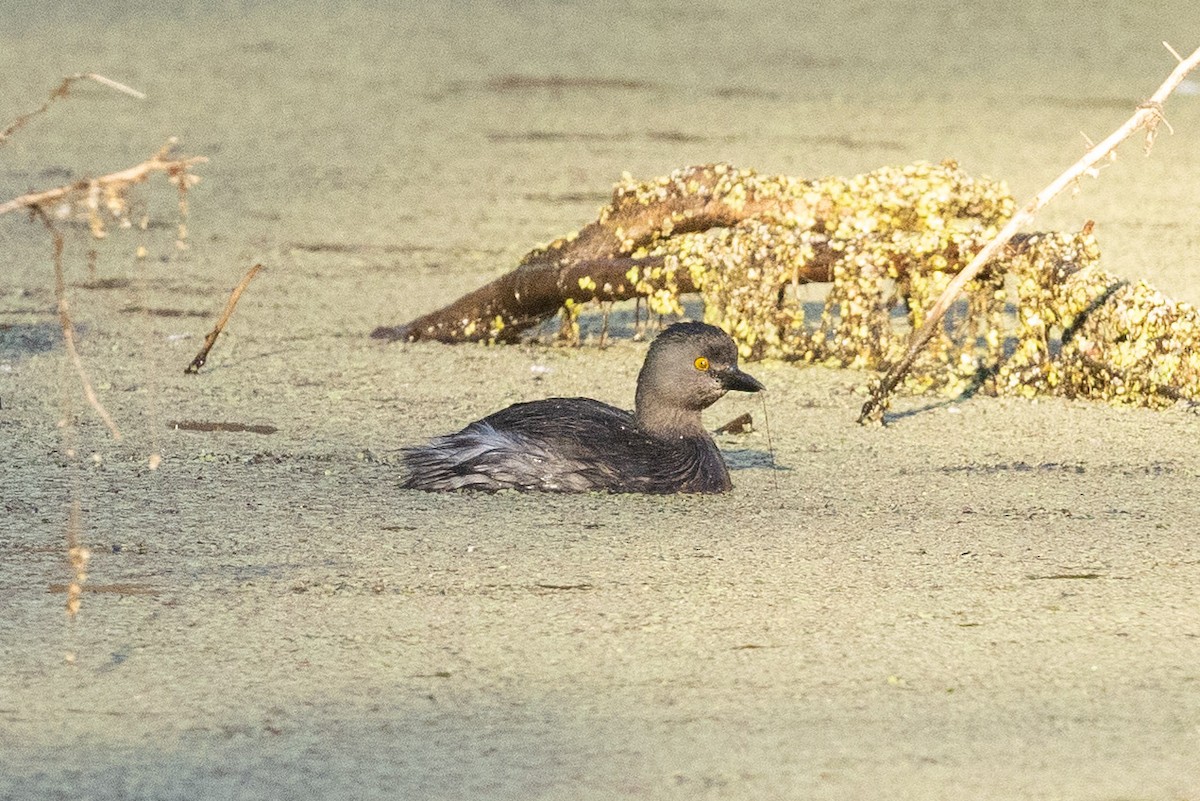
(159, 162)
(1148, 116)
(61, 91)
(68, 328)
(211, 339)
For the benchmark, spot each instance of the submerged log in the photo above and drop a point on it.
(888, 243)
(741, 240)
(605, 260)
(521, 299)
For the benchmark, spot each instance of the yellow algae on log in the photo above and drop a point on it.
(1041, 318)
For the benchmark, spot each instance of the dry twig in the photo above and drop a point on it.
(90, 194)
(68, 328)
(175, 168)
(61, 91)
(211, 339)
(1148, 116)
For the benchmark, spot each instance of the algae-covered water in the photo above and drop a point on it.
(987, 599)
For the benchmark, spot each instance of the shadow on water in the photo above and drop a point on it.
(27, 339)
(747, 459)
(944, 403)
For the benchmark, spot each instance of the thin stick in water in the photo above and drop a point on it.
(770, 446)
(61, 91)
(1149, 115)
(68, 328)
(211, 339)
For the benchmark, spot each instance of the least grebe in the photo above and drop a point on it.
(580, 444)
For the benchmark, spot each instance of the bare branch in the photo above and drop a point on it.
(61, 91)
(1148, 115)
(159, 162)
(68, 328)
(211, 339)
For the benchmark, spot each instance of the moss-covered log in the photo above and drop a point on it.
(607, 259)
(888, 242)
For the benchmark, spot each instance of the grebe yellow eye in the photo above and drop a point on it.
(701, 363)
